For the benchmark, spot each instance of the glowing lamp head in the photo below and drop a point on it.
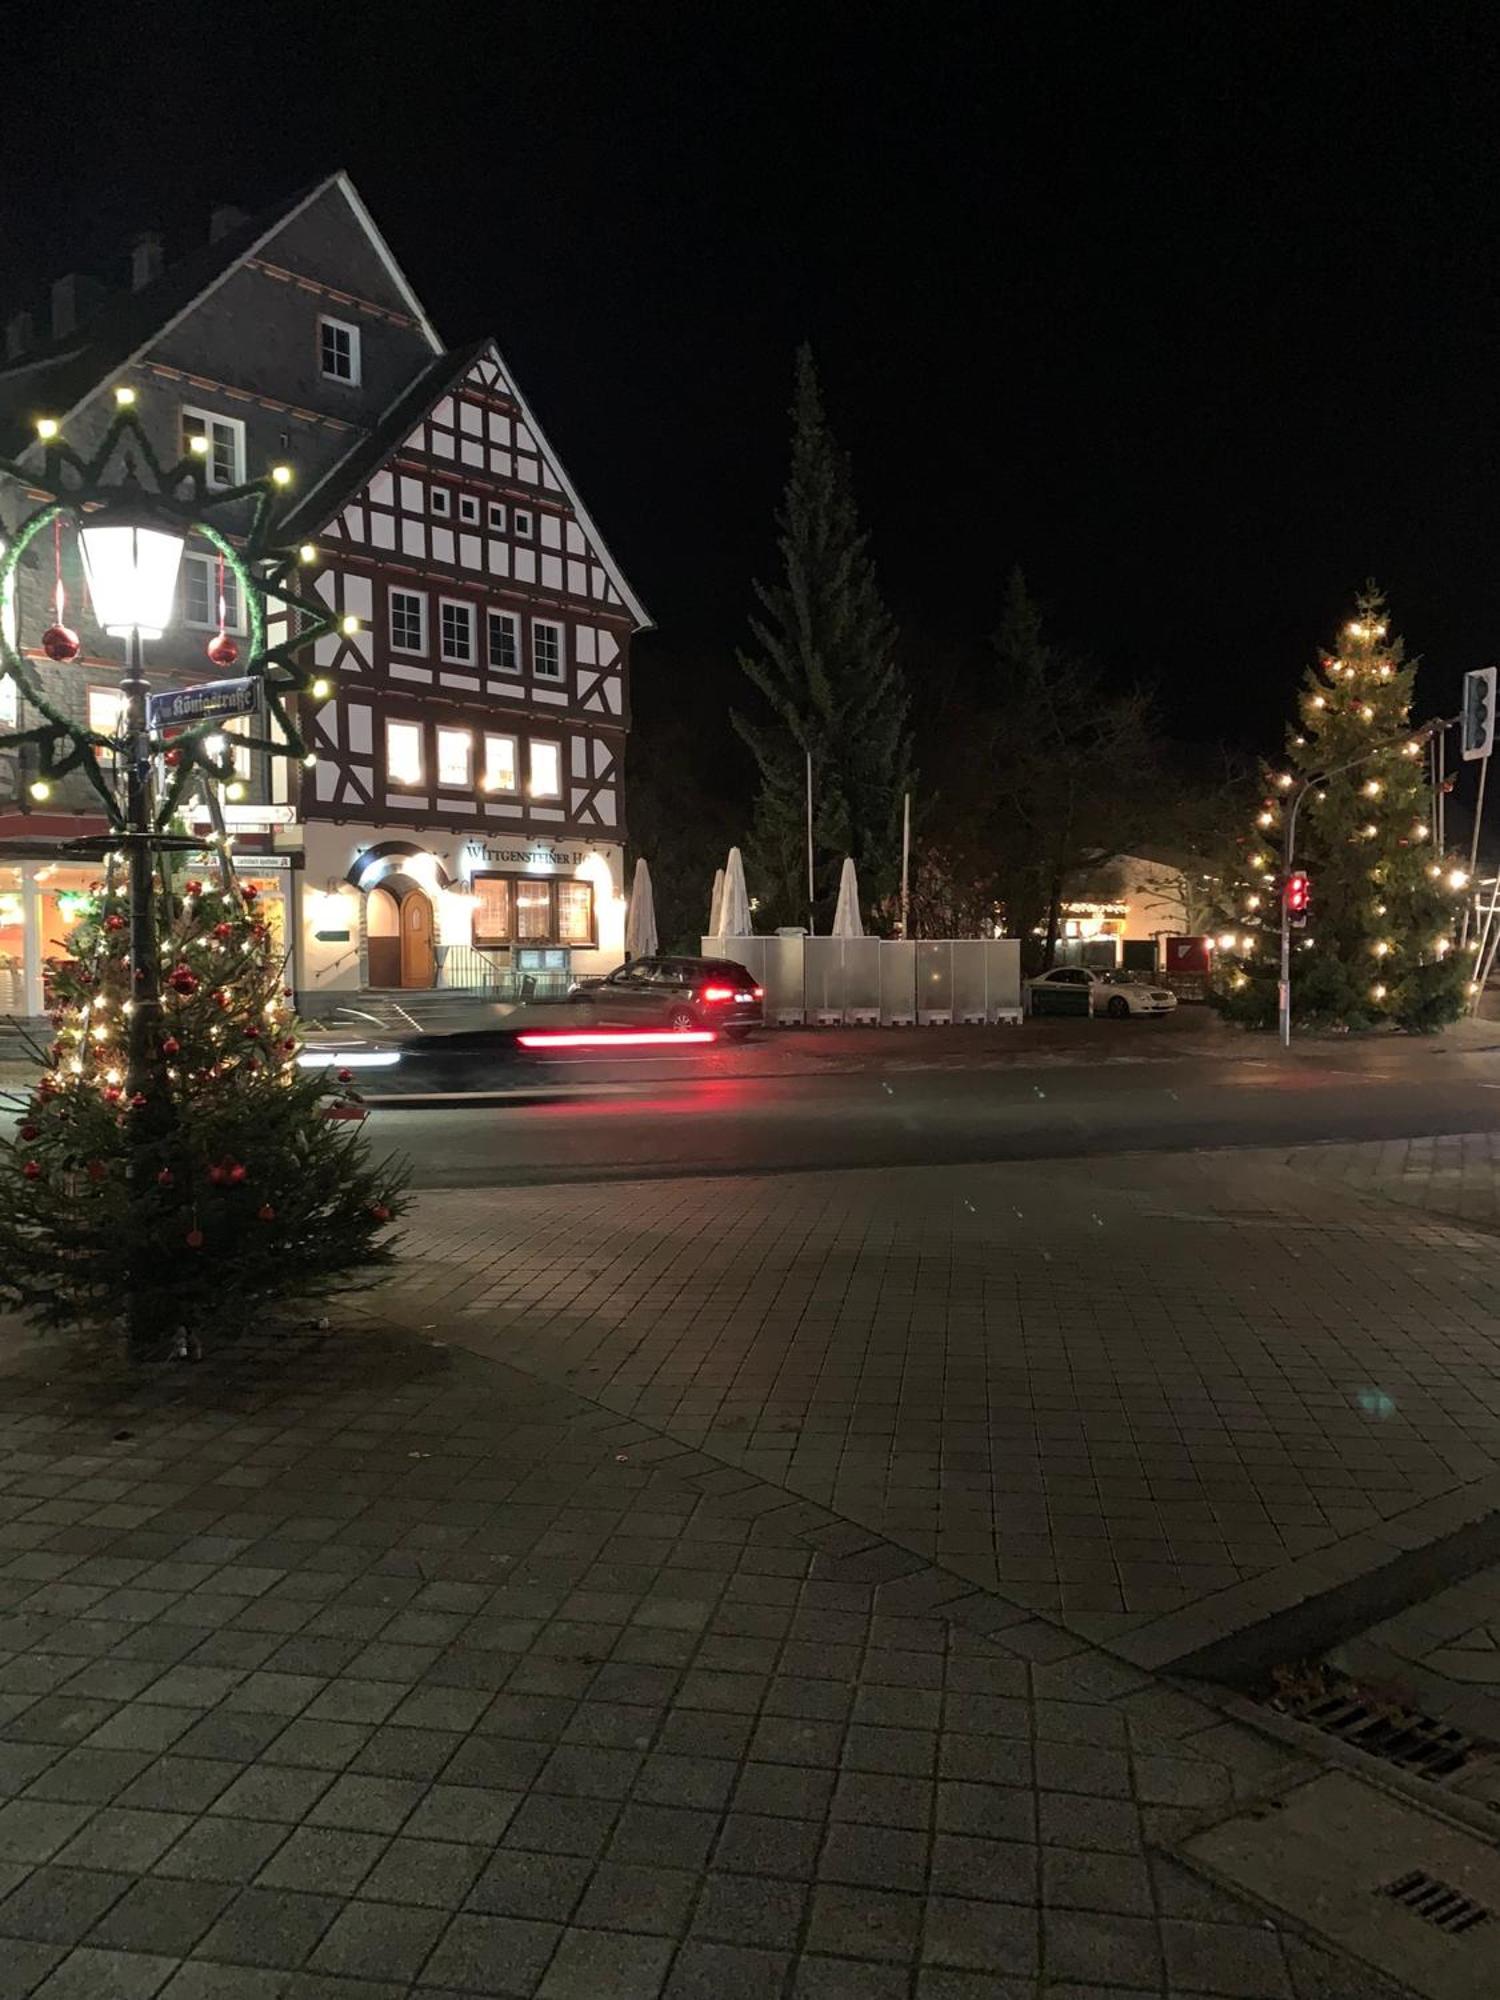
(1457, 879)
(198, 445)
(124, 396)
(309, 762)
(131, 568)
(47, 429)
(321, 689)
(307, 553)
(40, 789)
(281, 475)
(236, 791)
(349, 626)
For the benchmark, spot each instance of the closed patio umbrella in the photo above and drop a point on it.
(640, 918)
(734, 908)
(846, 918)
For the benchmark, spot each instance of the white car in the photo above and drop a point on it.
(1116, 993)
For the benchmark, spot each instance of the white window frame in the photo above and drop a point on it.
(497, 517)
(468, 510)
(392, 724)
(449, 735)
(513, 621)
(522, 524)
(468, 659)
(352, 379)
(419, 598)
(233, 604)
(210, 421)
(440, 500)
(533, 744)
(492, 742)
(539, 625)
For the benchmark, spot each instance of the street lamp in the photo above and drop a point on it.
(131, 562)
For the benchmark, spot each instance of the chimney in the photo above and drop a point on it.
(224, 219)
(20, 335)
(145, 260)
(73, 298)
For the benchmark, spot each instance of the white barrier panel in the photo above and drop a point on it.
(934, 982)
(862, 981)
(1002, 963)
(898, 984)
(865, 980)
(823, 974)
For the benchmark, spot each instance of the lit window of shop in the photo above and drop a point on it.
(546, 771)
(533, 910)
(530, 909)
(575, 912)
(455, 751)
(492, 909)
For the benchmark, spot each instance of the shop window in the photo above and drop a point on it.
(575, 912)
(546, 770)
(455, 750)
(403, 752)
(531, 909)
(492, 909)
(499, 763)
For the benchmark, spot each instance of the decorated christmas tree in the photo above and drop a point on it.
(1379, 945)
(245, 1186)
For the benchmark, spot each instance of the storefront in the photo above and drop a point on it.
(467, 913)
(43, 898)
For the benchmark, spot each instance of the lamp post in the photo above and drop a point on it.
(131, 562)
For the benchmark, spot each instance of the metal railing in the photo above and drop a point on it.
(466, 968)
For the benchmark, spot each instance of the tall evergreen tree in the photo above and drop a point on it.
(825, 665)
(1379, 942)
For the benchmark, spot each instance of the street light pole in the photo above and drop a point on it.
(143, 1041)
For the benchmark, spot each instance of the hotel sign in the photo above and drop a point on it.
(477, 854)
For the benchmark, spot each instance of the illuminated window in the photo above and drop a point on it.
(408, 621)
(455, 749)
(492, 909)
(505, 643)
(456, 632)
(403, 752)
(500, 763)
(338, 350)
(546, 771)
(224, 460)
(533, 910)
(575, 913)
(200, 594)
(546, 650)
(104, 710)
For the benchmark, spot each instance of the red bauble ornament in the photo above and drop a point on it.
(172, 758)
(380, 1212)
(164, 1178)
(28, 1133)
(252, 1033)
(32, 1170)
(114, 922)
(249, 892)
(194, 1239)
(192, 888)
(236, 1174)
(170, 1046)
(222, 931)
(59, 644)
(265, 1213)
(346, 1076)
(113, 1094)
(183, 979)
(221, 999)
(138, 1100)
(216, 1175)
(222, 651)
(290, 1047)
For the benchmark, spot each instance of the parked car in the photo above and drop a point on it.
(1116, 993)
(678, 993)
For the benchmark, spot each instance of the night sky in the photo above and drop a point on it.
(1194, 316)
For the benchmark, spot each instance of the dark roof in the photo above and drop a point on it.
(346, 475)
(56, 379)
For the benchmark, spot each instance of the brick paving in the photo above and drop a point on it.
(1154, 1398)
(359, 1668)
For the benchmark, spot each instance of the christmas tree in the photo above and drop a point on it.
(1379, 946)
(244, 1185)
(827, 669)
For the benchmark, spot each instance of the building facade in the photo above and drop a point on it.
(464, 822)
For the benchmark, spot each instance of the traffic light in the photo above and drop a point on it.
(1479, 713)
(1297, 895)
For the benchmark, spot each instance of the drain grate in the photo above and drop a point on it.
(1385, 1729)
(1437, 1903)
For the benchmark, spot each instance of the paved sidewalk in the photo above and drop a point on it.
(1156, 1398)
(358, 1669)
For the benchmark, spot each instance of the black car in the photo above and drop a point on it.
(679, 993)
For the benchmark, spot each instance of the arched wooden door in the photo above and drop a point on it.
(383, 938)
(418, 965)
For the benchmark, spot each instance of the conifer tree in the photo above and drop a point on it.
(254, 1188)
(1379, 944)
(826, 667)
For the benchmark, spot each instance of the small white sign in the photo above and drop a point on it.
(260, 817)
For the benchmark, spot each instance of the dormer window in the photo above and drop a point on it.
(223, 449)
(338, 351)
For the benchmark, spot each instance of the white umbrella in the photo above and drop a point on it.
(846, 920)
(734, 906)
(716, 903)
(640, 918)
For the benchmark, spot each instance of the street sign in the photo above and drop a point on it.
(1479, 713)
(261, 816)
(209, 701)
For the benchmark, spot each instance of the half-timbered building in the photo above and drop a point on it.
(464, 822)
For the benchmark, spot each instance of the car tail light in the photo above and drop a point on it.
(757, 992)
(716, 993)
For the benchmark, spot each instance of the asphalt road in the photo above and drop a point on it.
(787, 1106)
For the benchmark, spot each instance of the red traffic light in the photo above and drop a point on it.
(1297, 894)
